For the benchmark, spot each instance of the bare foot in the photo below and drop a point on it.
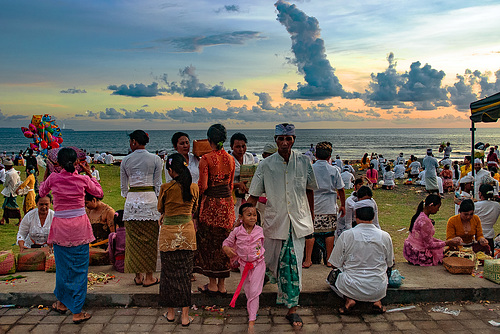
(306, 264)
(251, 327)
(81, 317)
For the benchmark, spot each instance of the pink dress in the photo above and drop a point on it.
(250, 249)
(70, 226)
(421, 248)
(372, 175)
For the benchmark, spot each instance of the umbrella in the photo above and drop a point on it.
(486, 110)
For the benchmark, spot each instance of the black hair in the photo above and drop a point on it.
(365, 213)
(90, 197)
(29, 168)
(430, 199)
(456, 170)
(364, 191)
(486, 190)
(217, 135)
(140, 137)
(372, 166)
(244, 206)
(446, 166)
(37, 197)
(92, 166)
(179, 165)
(358, 181)
(387, 168)
(468, 157)
(466, 205)
(237, 136)
(323, 154)
(118, 219)
(365, 157)
(66, 158)
(177, 136)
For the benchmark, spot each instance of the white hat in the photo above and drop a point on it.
(477, 161)
(270, 148)
(467, 179)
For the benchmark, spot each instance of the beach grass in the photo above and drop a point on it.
(396, 207)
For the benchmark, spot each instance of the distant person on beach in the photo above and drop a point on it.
(375, 163)
(348, 178)
(350, 169)
(216, 214)
(399, 159)
(95, 173)
(35, 227)
(88, 158)
(241, 157)
(286, 223)
(117, 243)
(70, 232)
(109, 158)
(467, 226)
(362, 257)
(9, 206)
(372, 175)
(399, 170)
(431, 165)
(181, 143)
(365, 162)
(338, 162)
(382, 162)
(140, 181)
(330, 188)
(388, 178)
(447, 151)
(414, 168)
(421, 248)
(177, 202)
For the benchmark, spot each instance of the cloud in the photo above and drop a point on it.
(229, 8)
(5, 118)
(190, 86)
(264, 101)
(310, 56)
(461, 93)
(487, 88)
(136, 90)
(197, 43)
(73, 91)
(112, 113)
(384, 87)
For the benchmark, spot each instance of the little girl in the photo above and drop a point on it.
(117, 243)
(246, 242)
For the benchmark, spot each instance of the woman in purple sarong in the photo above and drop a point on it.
(421, 248)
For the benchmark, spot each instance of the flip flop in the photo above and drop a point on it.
(222, 293)
(86, 317)
(205, 289)
(136, 282)
(305, 267)
(165, 316)
(378, 310)
(294, 317)
(157, 281)
(58, 310)
(189, 323)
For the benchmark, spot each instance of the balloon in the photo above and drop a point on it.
(32, 127)
(34, 147)
(48, 136)
(54, 144)
(43, 144)
(28, 134)
(59, 140)
(50, 130)
(23, 129)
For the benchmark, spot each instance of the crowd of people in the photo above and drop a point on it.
(208, 219)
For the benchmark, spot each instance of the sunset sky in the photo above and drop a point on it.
(99, 64)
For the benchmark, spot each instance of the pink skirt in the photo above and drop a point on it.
(70, 232)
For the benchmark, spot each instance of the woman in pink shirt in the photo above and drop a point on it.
(246, 243)
(71, 232)
(372, 175)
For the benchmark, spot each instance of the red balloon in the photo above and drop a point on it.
(34, 147)
(54, 144)
(28, 134)
(59, 140)
(43, 144)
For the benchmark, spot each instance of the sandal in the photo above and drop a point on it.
(378, 309)
(165, 315)
(157, 281)
(209, 292)
(86, 317)
(189, 323)
(58, 310)
(137, 283)
(294, 318)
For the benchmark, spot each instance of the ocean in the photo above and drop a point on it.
(348, 143)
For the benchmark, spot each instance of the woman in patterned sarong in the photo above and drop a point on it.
(216, 212)
(140, 178)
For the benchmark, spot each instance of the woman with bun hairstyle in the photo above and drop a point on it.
(177, 201)
(216, 215)
(70, 232)
(140, 181)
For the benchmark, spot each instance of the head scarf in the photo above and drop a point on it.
(467, 179)
(270, 148)
(282, 130)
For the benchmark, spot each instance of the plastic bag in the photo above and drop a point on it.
(396, 279)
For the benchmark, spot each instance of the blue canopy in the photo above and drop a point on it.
(486, 110)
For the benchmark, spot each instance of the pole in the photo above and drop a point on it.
(472, 130)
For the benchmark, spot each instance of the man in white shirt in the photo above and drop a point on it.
(414, 168)
(338, 163)
(362, 256)
(88, 158)
(399, 159)
(289, 182)
(480, 176)
(375, 163)
(447, 151)
(95, 173)
(108, 158)
(399, 170)
(348, 178)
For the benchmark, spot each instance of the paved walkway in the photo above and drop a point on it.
(473, 318)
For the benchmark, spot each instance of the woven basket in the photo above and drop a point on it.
(50, 264)
(201, 147)
(7, 262)
(458, 265)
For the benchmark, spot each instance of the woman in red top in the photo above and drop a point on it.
(372, 175)
(216, 212)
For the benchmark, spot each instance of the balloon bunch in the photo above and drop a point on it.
(45, 133)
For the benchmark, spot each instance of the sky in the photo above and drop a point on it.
(104, 64)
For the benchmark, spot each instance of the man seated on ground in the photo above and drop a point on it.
(362, 256)
(399, 170)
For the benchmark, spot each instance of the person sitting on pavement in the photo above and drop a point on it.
(362, 256)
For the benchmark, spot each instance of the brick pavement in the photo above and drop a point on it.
(473, 318)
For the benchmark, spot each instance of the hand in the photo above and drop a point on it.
(455, 241)
(229, 251)
(483, 242)
(22, 248)
(85, 167)
(342, 211)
